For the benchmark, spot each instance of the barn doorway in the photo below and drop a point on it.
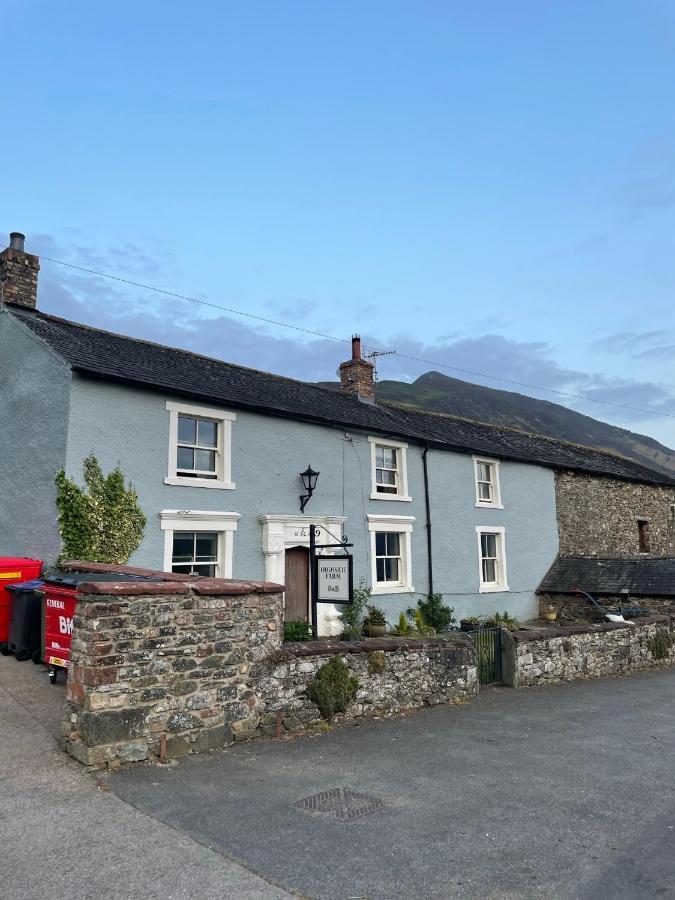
(296, 596)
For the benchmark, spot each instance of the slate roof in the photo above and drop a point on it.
(114, 357)
(642, 577)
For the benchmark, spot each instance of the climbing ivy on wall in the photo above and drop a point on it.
(101, 522)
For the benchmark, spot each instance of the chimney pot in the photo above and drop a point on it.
(17, 241)
(356, 347)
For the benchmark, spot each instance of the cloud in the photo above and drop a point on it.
(117, 307)
(649, 345)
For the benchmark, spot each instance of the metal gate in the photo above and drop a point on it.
(488, 644)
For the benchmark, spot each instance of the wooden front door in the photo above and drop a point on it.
(296, 605)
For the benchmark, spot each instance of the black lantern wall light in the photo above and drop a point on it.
(309, 479)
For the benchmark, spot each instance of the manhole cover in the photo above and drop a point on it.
(341, 803)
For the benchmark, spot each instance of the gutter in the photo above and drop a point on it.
(428, 522)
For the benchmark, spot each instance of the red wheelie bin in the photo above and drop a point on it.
(13, 569)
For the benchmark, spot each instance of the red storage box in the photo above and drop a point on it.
(59, 605)
(13, 569)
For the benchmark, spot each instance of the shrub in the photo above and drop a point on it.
(376, 662)
(297, 630)
(659, 645)
(374, 616)
(421, 626)
(502, 620)
(435, 613)
(351, 616)
(103, 523)
(403, 627)
(332, 689)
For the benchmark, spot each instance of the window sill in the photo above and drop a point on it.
(489, 505)
(200, 483)
(493, 589)
(375, 496)
(392, 589)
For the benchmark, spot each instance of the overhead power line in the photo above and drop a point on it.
(331, 337)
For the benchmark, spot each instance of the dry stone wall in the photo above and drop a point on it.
(159, 670)
(599, 516)
(572, 607)
(393, 676)
(552, 655)
(172, 660)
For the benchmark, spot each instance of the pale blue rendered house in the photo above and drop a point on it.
(214, 450)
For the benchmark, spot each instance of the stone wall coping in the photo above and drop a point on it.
(219, 586)
(544, 633)
(331, 647)
(131, 588)
(79, 565)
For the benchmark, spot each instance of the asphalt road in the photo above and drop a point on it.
(65, 836)
(552, 792)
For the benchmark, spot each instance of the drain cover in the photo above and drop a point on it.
(341, 803)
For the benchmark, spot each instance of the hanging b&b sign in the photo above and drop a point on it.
(334, 579)
(331, 577)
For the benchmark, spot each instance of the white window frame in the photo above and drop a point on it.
(402, 525)
(402, 467)
(223, 523)
(503, 584)
(496, 502)
(223, 480)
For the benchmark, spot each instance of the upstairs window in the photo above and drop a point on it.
(643, 535)
(197, 448)
(488, 491)
(389, 470)
(491, 559)
(200, 442)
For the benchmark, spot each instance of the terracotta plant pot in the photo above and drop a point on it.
(375, 630)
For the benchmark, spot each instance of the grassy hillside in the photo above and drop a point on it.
(440, 393)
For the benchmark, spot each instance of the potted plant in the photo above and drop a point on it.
(375, 622)
(470, 623)
(550, 613)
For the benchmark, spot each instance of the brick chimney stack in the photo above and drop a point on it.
(357, 375)
(18, 273)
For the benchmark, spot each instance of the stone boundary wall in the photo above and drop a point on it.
(163, 669)
(552, 655)
(572, 606)
(599, 516)
(394, 676)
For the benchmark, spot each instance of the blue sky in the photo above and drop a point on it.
(486, 185)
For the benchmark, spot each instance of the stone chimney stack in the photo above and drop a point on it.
(18, 273)
(357, 375)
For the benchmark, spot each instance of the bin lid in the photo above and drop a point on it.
(73, 579)
(12, 562)
(34, 585)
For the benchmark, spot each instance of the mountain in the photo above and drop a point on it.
(440, 393)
